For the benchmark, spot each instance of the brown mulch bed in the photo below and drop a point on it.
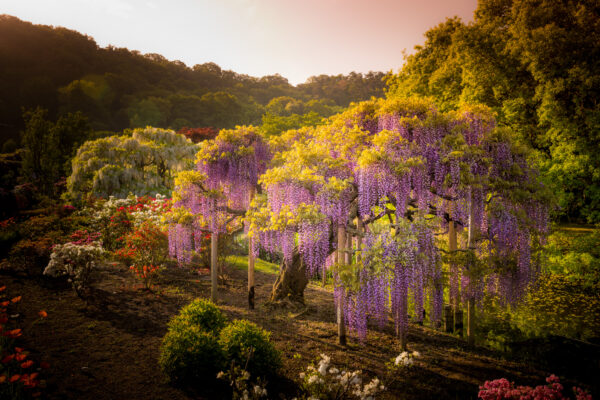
(108, 348)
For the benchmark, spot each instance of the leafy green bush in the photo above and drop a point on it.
(38, 225)
(200, 313)
(242, 341)
(36, 236)
(574, 252)
(190, 355)
(8, 235)
(32, 255)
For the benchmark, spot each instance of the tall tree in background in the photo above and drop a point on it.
(41, 159)
(536, 63)
(70, 131)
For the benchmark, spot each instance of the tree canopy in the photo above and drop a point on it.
(535, 63)
(405, 170)
(142, 163)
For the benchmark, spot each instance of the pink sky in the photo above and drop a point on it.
(295, 38)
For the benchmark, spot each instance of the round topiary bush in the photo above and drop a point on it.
(190, 356)
(240, 338)
(203, 314)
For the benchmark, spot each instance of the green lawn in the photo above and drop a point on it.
(241, 262)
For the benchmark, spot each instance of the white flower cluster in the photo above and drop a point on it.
(406, 359)
(76, 261)
(333, 383)
(110, 206)
(260, 391)
(239, 380)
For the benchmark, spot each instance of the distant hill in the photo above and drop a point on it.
(64, 71)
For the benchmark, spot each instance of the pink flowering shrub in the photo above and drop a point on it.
(501, 389)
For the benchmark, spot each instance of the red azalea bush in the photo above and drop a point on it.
(145, 248)
(144, 245)
(119, 224)
(82, 236)
(501, 389)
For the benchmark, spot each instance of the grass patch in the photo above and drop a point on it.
(241, 262)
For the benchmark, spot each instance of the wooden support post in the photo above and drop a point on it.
(251, 262)
(448, 319)
(471, 322)
(454, 276)
(341, 324)
(458, 322)
(359, 229)
(348, 253)
(214, 248)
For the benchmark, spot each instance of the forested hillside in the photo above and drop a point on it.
(536, 63)
(64, 71)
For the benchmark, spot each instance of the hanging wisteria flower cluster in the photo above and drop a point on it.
(227, 170)
(393, 266)
(394, 158)
(458, 167)
(304, 196)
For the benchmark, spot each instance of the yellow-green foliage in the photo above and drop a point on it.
(240, 139)
(561, 305)
(241, 262)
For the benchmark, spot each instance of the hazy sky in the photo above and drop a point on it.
(295, 38)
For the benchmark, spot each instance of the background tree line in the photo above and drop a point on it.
(64, 71)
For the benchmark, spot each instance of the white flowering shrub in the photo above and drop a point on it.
(243, 388)
(406, 359)
(327, 382)
(139, 211)
(76, 261)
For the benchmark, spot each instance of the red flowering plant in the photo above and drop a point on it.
(145, 248)
(117, 217)
(502, 389)
(119, 224)
(18, 378)
(8, 223)
(145, 273)
(83, 236)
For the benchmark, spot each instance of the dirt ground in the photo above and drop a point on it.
(108, 348)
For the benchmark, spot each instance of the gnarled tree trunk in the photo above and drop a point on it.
(291, 282)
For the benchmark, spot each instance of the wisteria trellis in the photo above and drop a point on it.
(396, 158)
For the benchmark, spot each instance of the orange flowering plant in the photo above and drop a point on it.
(145, 273)
(145, 248)
(18, 376)
(145, 245)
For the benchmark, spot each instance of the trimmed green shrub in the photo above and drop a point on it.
(240, 338)
(202, 313)
(190, 356)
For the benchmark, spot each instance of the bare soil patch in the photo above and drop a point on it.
(108, 348)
